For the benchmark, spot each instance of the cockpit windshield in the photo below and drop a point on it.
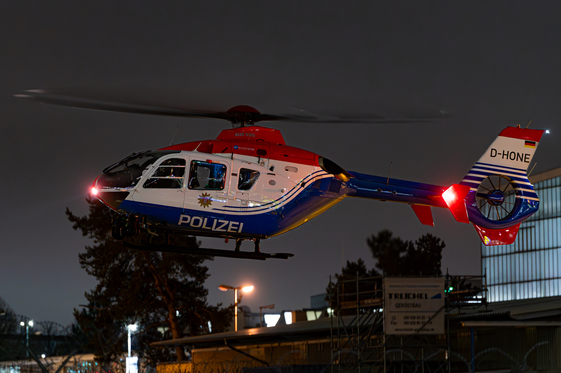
(127, 172)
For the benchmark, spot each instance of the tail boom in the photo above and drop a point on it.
(495, 195)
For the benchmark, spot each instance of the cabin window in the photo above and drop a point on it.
(168, 175)
(247, 178)
(206, 176)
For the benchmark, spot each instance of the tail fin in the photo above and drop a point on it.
(500, 195)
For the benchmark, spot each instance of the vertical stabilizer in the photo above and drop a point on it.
(500, 195)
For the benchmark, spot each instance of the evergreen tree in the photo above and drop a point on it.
(405, 258)
(395, 257)
(162, 292)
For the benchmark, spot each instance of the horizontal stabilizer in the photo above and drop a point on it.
(455, 200)
(424, 214)
(493, 237)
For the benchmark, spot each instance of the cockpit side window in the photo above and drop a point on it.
(247, 178)
(168, 175)
(127, 172)
(206, 176)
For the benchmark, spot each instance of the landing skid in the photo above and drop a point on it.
(210, 252)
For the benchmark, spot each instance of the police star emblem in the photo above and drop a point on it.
(205, 200)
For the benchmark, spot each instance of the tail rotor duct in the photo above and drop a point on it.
(496, 197)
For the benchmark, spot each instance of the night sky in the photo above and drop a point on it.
(489, 64)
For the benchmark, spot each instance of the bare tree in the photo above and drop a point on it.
(9, 347)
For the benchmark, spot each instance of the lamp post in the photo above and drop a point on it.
(131, 329)
(245, 289)
(132, 362)
(269, 307)
(27, 325)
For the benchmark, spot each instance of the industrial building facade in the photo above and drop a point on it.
(529, 268)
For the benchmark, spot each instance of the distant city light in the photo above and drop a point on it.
(271, 319)
(288, 317)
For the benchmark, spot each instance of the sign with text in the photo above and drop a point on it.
(413, 305)
(132, 364)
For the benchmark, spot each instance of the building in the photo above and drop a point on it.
(529, 268)
(477, 336)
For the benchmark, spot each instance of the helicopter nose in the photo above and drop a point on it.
(106, 193)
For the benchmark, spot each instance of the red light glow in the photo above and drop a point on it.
(94, 191)
(455, 200)
(449, 196)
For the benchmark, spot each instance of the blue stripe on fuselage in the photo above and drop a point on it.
(308, 203)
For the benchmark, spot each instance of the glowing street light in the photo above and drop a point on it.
(27, 325)
(245, 289)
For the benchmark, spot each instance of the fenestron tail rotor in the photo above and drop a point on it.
(496, 197)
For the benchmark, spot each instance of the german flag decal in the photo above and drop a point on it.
(530, 144)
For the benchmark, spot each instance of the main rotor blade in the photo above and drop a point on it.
(75, 101)
(236, 114)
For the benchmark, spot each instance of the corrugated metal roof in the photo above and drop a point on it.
(523, 309)
(526, 309)
(482, 315)
(293, 332)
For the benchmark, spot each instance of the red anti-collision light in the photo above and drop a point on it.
(449, 196)
(455, 200)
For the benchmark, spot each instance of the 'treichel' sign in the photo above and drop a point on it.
(409, 303)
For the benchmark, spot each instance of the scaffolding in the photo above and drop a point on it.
(359, 342)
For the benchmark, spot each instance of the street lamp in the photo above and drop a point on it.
(27, 325)
(269, 307)
(131, 328)
(245, 289)
(132, 362)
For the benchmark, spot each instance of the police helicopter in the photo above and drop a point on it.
(247, 184)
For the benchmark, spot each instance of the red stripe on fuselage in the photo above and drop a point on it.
(252, 141)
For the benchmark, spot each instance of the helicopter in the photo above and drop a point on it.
(247, 184)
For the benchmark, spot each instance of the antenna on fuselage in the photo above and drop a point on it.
(532, 169)
(389, 172)
(173, 137)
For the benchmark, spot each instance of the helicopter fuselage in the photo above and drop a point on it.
(245, 184)
(248, 184)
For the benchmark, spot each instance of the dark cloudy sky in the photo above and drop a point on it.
(490, 64)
